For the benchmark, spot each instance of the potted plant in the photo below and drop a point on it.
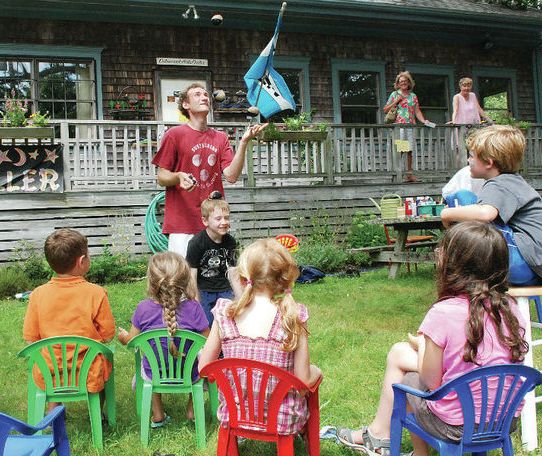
(16, 124)
(506, 118)
(296, 128)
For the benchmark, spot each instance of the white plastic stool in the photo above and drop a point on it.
(529, 433)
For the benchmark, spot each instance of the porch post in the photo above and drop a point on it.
(461, 157)
(249, 160)
(328, 160)
(65, 140)
(396, 157)
(537, 78)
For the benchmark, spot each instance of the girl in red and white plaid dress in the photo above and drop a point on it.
(265, 324)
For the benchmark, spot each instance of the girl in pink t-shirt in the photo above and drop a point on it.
(473, 323)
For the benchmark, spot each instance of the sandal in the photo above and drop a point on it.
(160, 424)
(371, 446)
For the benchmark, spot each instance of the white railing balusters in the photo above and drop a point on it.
(106, 155)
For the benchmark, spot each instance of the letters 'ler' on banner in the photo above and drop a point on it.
(31, 168)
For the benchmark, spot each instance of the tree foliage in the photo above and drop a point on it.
(517, 4)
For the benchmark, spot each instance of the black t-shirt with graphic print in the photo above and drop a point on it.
(212, 260)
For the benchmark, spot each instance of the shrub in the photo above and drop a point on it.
(37, 269)
(105, 268)
(32, 262)
(506, 118)
(330, 257)
(363, 234)
(13, 280)
(109, 268)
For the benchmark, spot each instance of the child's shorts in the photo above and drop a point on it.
(208, 300)
(425, 417)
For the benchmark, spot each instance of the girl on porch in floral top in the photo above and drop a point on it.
(266, 324)
(408, 109)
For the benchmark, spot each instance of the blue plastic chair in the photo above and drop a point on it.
(538, 306)
(34, 445)
(476, 439)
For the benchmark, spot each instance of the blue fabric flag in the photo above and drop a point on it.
(266, 88)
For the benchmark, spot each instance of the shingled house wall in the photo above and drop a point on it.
(130, 51)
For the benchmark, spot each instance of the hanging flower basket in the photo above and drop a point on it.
(27, 132)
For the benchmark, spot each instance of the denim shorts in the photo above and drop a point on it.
(208, 300)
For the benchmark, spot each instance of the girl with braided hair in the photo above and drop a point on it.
(473, 323)
(265, 324)
(170, 304)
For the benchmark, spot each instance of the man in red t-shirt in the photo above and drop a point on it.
(191, 160)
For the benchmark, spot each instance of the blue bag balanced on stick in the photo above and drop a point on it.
(309, 274)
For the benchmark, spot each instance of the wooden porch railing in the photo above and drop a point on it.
(117, 155)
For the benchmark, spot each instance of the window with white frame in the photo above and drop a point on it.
(66, 88)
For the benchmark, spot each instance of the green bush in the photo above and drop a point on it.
(13, 280)
(330, 257)
(104, 268)
(110, 268)
(31, 260)
(37, 269)
(363, 234)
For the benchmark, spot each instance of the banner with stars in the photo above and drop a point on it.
(31, 168)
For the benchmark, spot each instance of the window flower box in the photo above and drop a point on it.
(295, 135)
(27, 132)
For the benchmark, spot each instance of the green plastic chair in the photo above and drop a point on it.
(171, 376)
(69, 388)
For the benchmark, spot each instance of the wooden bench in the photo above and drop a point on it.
(529, 432)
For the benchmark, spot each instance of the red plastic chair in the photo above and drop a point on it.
(243, 420)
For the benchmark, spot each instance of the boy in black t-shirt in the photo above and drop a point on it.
(211, 252)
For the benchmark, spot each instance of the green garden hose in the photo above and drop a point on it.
(157, 241)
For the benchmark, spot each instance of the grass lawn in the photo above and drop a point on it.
(353, 323)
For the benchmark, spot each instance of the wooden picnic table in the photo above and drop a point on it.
(402, 253)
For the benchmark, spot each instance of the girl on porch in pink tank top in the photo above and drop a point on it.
(265, 324)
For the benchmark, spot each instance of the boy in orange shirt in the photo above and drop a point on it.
(68, 305)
